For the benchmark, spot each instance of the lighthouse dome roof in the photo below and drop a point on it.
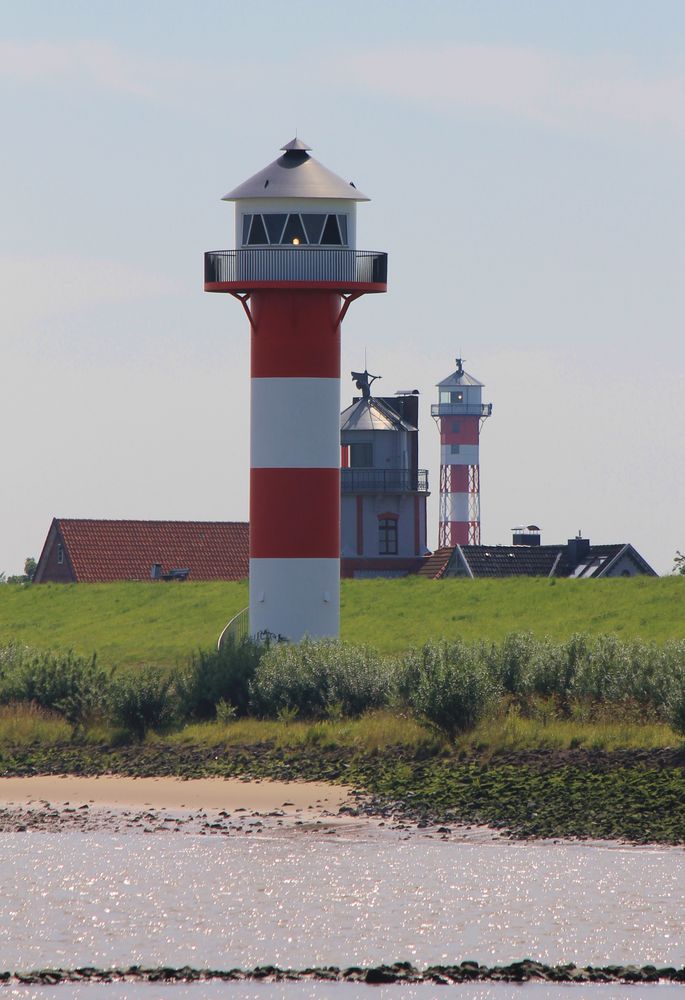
(459, 377)
(372, 414)
(295, 174)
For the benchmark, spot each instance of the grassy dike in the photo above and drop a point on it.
(134, 623)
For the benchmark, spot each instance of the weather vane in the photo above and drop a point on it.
(363, 381)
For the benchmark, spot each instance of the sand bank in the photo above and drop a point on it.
(112, 791)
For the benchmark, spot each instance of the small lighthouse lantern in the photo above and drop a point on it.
(459, 415)
(295, 269)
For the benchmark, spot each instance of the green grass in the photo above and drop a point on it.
(380, 730)
(133, 623)
(127, 624)
(374, 731)
(28, 725)
(22, 724)
(394, 614)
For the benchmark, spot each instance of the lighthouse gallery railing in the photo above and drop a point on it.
(296, 264)
(383, 481)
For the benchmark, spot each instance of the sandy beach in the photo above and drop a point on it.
(112, 791)
(208, 806)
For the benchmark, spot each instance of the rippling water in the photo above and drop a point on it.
(107, 899)
(345, 991)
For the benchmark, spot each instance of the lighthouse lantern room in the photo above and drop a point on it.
(295, 270)
(459, 415)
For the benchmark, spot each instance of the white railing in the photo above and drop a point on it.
(237, 629)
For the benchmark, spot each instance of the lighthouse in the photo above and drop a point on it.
(459, 415)
(295, 270)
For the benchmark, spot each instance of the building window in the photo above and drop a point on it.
(387, 536)
(456, 397)
(454, 448)
(60, 553)
(361, 456)
(456, 426)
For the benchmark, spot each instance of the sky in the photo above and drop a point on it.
(525, 165)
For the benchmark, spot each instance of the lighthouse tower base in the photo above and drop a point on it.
(291, 598)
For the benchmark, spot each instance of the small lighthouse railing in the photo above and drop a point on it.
(296, 264)
(461, 409)
(383, 481)
(237, 629)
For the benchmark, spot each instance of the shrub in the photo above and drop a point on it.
(658, 675)
(143, 700)
(74, 686)
(553, 667)
(454, 688)
(10, 658)
(675, 710)
(320, 677)
(218, 675)
(510, 662)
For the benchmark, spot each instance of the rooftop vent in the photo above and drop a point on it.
(526, 535)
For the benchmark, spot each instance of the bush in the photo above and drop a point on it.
(317, 678)
(10, 658)
(675, 710)
(553, 667)
(218, 675)
(74, 686)
(452, 686)
(142, 701)
(510, 662)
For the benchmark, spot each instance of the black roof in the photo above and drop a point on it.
(543, 560)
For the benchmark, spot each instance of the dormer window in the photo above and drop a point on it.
(294, 229)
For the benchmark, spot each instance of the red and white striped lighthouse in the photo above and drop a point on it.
(459, 415)
(295, 270)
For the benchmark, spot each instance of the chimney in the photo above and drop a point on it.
(577, 549)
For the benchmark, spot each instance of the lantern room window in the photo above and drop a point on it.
(294, 229)
(451, 396)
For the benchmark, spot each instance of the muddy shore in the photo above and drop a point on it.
(634, 796)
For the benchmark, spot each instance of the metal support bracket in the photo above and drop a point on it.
(244, 299)
(347, 302)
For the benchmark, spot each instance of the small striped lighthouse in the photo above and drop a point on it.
(459, 415)
(295, 270)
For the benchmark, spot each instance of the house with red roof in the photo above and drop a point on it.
(82, 550)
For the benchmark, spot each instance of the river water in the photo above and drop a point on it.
(107, 899)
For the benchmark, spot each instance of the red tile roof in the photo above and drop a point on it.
(103, 551)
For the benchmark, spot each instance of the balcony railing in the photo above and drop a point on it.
(461, 409)
(384, 481)
(341, 267)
